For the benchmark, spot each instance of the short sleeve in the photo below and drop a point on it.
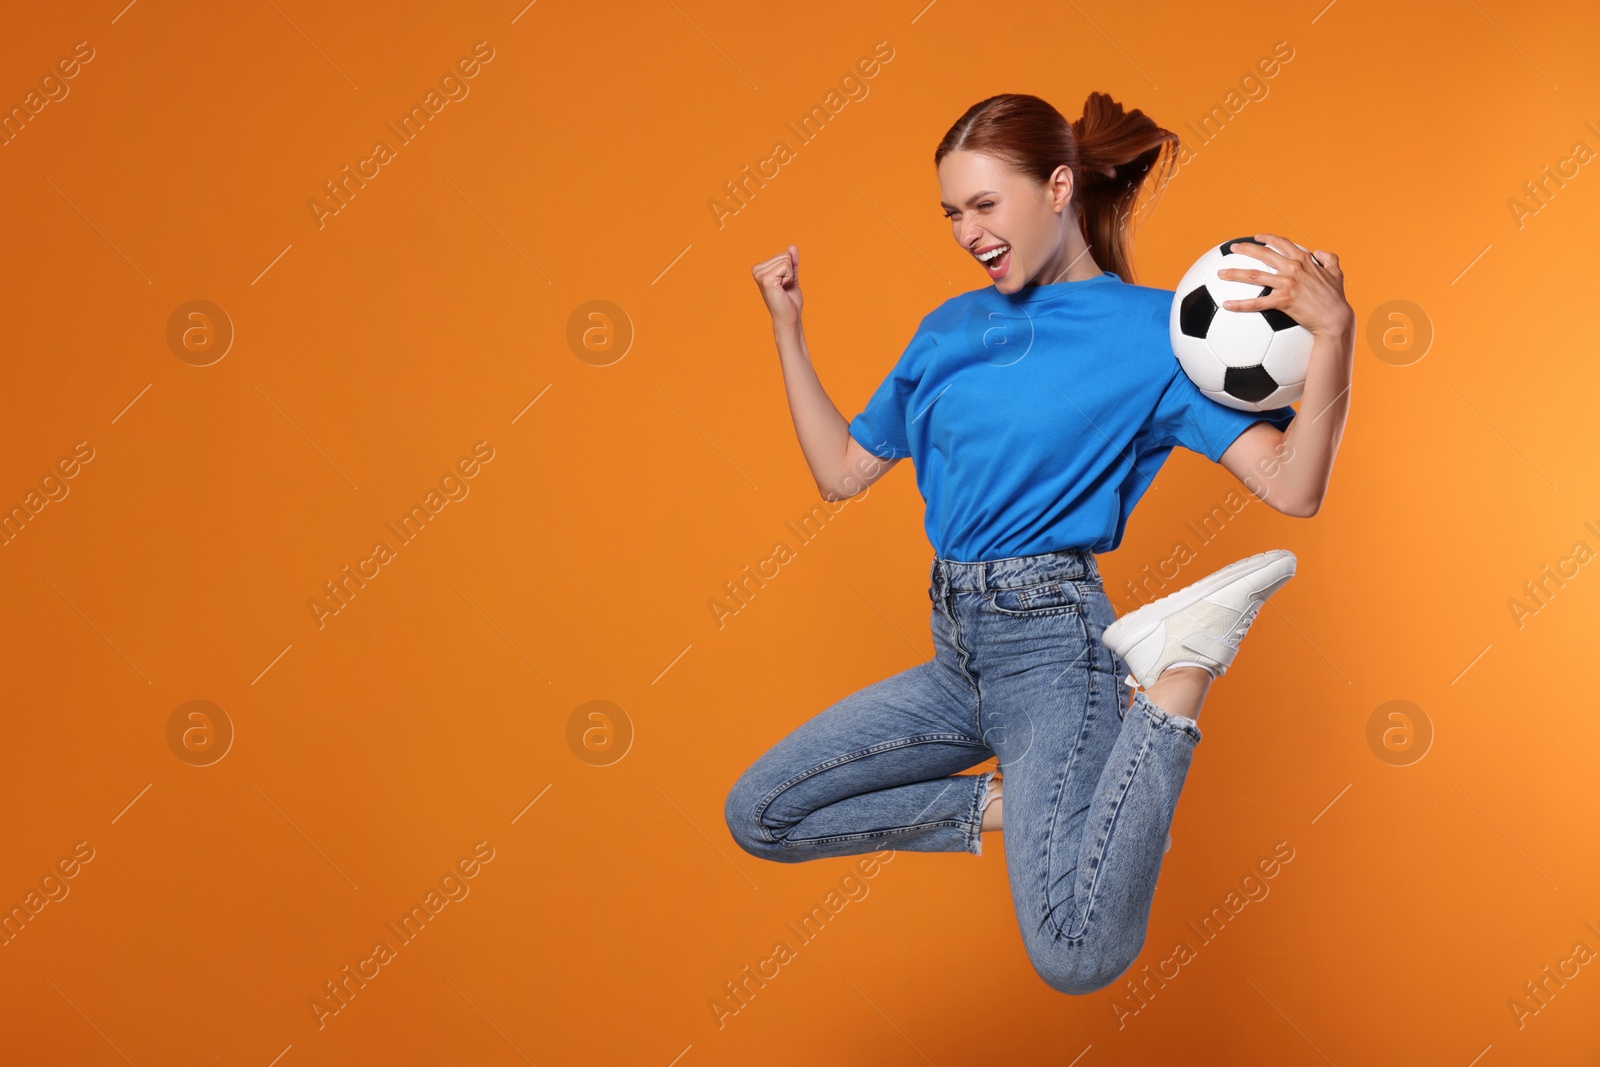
(881, 426)
(1186, 416)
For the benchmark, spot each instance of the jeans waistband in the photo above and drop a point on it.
(1067, 564)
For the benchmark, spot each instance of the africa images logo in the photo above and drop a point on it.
(1000, 338)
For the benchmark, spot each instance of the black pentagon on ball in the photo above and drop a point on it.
(1278, 320)
(1196, 312)
(1223, 248)
(1250, 384)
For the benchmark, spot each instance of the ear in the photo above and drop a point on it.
(1060, 186)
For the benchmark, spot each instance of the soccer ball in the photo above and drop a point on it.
(1250, 360)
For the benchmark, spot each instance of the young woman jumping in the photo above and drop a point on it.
(1036, 412)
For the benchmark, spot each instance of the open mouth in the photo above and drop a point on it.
(996, 261)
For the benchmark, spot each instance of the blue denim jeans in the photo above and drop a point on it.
(1019, 673)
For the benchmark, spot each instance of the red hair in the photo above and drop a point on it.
(1110, 152)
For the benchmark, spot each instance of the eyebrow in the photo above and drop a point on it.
(974, 198)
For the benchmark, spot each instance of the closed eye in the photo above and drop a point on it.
(953, 214)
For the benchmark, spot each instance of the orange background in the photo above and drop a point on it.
(371, 353)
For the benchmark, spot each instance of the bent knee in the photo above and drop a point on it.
(740, 812)
(1081, 983)
(1079, 968)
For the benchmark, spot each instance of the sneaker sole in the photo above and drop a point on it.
(1129, 630)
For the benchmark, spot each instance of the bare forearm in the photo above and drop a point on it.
(823, 432)
(1314, 434)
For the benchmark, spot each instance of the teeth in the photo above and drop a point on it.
(989, 256)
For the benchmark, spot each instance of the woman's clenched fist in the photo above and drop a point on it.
(779, 281)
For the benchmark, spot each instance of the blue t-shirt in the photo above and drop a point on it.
(1036, 420)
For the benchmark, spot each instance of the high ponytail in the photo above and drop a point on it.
(1110, 151)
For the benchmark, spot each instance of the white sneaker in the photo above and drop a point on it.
(1201, 624)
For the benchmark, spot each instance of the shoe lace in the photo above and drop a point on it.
(1242, 626)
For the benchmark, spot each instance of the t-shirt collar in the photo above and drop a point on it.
(1032, 293)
